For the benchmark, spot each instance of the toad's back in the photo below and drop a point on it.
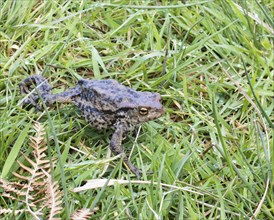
(103, 102)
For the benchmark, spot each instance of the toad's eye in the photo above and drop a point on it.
(143, 111)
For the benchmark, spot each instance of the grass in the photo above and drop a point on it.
(212, 61)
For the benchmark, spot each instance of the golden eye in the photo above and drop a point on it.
(143, 111)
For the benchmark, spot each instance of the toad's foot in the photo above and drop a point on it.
(42, 87)
(132, 168)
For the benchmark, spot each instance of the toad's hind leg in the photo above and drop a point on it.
(64, 97)
(116, 148)
(43, 89)
(42, 86)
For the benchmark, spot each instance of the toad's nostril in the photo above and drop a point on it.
(157, 97)
(80, 81)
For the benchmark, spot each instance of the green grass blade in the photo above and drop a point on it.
(14, 151)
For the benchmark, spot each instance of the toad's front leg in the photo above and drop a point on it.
(116, 148)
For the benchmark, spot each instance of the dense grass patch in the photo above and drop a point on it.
(212, 62)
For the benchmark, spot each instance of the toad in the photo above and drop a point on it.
(103, 103)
